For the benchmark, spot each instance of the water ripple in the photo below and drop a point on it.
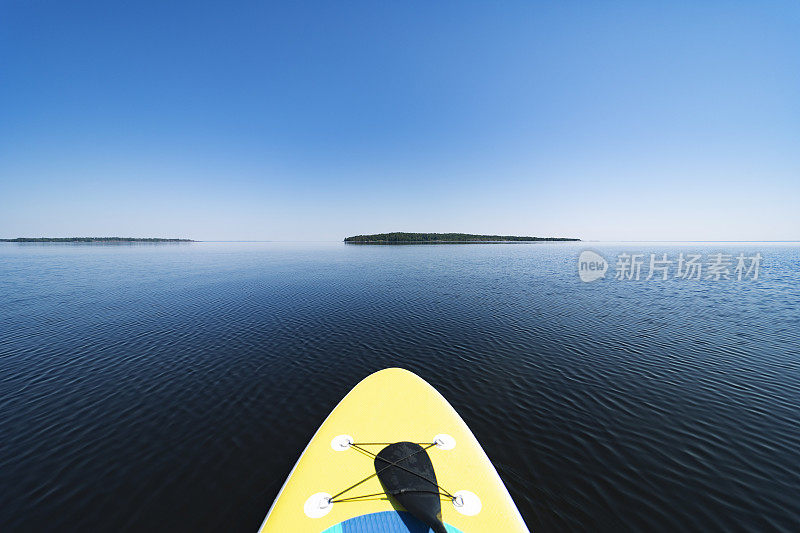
(146, 388)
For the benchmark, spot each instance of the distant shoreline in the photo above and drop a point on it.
(444, 238)
(93, 239)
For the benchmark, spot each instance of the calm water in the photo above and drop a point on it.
(172, 387)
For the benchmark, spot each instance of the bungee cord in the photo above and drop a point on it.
(358, 446)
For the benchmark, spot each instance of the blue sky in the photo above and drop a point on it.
(304, 120)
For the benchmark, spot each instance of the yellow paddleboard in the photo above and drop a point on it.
(334, 488)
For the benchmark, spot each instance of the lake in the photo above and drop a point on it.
(173, 386)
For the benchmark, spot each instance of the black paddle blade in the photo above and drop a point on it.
(407, 474)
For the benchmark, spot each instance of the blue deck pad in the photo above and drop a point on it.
(385, 522)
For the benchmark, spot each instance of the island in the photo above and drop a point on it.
(433, 238)
(93, 239)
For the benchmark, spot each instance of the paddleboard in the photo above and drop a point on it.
(389, 457)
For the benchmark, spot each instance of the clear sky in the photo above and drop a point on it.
(671, 120)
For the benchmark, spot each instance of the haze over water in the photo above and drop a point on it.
(172, 387)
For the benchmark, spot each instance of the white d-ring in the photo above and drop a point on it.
(318, 505)
(466, 502)
(443, 441)
(341, 442)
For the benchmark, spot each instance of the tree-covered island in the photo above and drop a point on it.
(93, 239)
(402, 238)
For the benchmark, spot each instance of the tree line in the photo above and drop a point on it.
(444, 237)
